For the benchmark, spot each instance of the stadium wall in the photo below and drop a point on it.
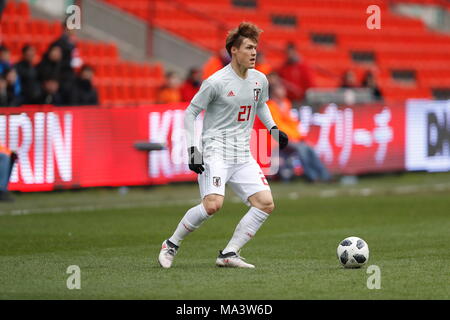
(73, 147)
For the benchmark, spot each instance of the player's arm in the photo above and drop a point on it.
(200, 102)
(265, 116)
(195, 159)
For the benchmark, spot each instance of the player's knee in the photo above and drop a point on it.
(212, 208)
(270, 207)
(267, 206)
(212, 205)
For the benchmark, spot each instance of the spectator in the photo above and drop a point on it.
(191, 85)
(7, 159)
(280, 108)
(370, 82)
(4, 98)
(170, 91)
(50, 92)
(70, 60)
(28, 75)
(51, 64)
(348, 86)
(274, 79)
(83, 92)
(296, 75)
(262, 65)
(349, 80)
(2, 6)
(5, 59)
(11, 88)
(216, 62)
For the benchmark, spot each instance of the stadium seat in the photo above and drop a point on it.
(401, 42)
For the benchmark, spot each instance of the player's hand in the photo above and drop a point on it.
(195, 160)
(279, 135)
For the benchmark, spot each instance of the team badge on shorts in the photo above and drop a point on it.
(216, 181)
(256, 94)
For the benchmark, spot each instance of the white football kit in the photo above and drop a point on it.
(230, 105)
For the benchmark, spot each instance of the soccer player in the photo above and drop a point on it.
(231, 98)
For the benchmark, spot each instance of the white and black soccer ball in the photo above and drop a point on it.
(353, 252)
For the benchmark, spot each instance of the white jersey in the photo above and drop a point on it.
(230, 105)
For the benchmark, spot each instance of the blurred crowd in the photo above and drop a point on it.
(296, 75)
(57, 79)
(369, 81)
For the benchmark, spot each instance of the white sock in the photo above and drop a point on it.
(193, 218)
(246, 229)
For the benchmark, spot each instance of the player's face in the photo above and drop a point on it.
(246, 54)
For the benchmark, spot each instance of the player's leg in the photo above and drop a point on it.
(261, 207)
(262, 201)
(251, 185)
(212, 192)
(190, 222)
(195, 216)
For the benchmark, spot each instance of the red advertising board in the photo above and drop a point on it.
(359, 139)
(85, 147)
(71, 147)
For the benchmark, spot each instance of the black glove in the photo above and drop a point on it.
(280, 136)
(195, 160)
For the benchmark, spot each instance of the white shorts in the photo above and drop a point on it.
(245, 179)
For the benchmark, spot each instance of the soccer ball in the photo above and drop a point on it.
(353, 252)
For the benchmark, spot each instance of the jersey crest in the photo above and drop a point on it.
(256, 94)
(216, 181)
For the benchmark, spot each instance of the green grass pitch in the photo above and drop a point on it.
(115, 239)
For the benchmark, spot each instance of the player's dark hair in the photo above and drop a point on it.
(237, 35)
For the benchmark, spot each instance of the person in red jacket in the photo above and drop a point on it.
(296, 75)
(191, 85)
